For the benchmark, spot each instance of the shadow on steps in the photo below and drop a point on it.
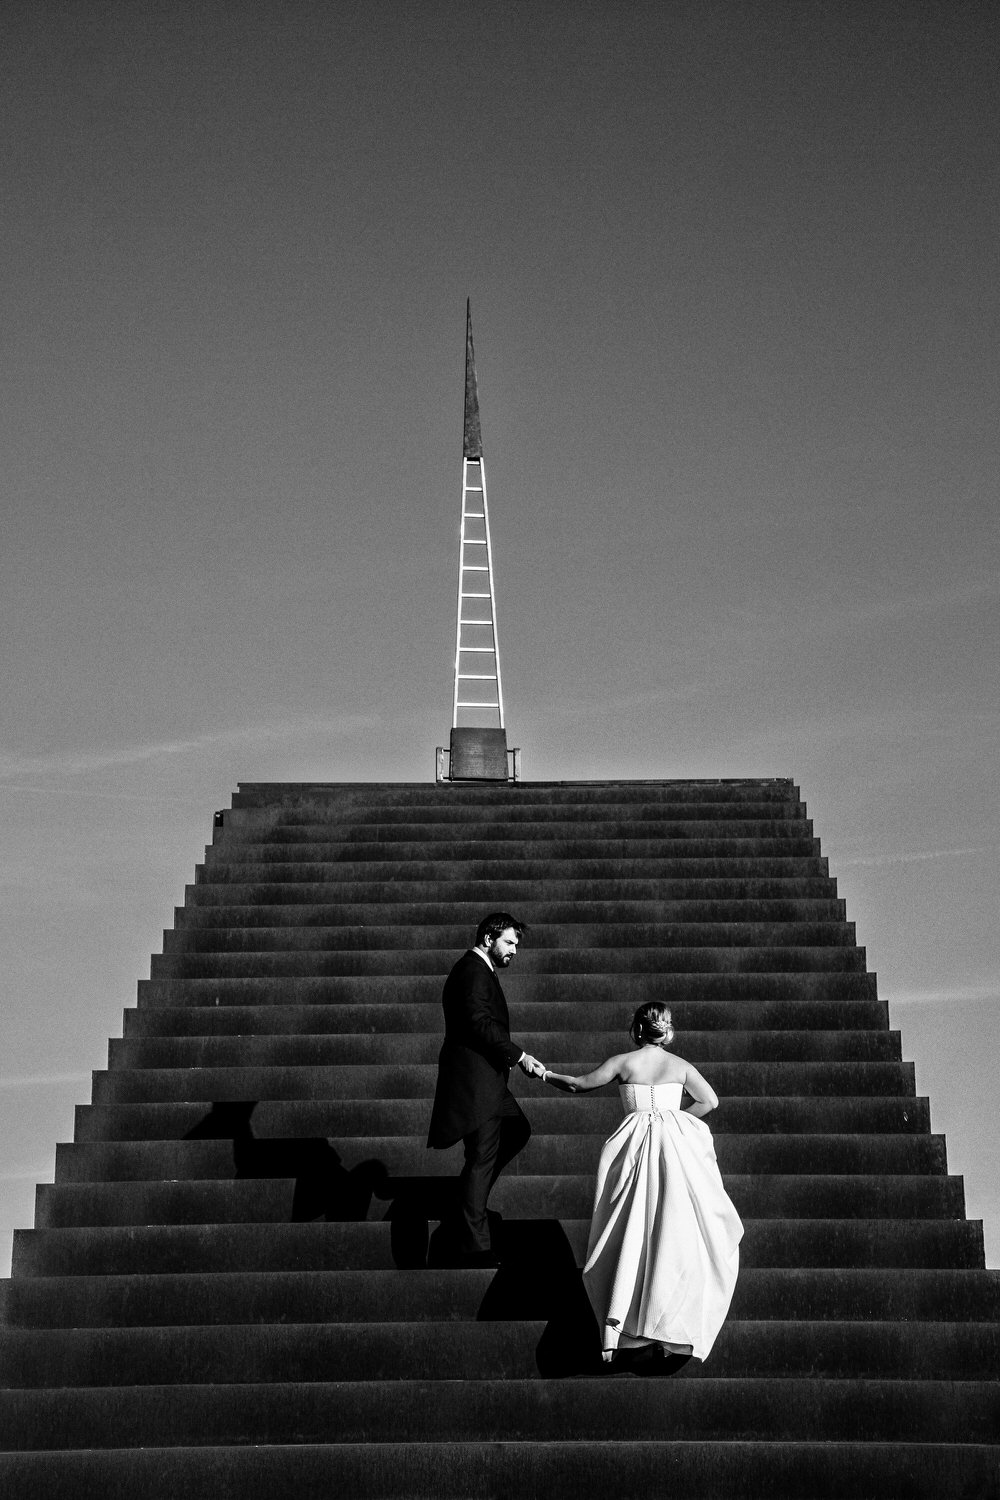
(324, 1188)
(537, 1281)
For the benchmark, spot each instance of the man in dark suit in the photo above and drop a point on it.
(472, 1102)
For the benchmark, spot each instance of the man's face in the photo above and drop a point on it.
(503, 948)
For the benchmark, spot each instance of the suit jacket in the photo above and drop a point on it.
(477, 1054)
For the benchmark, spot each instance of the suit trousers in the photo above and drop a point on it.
(488, 1149)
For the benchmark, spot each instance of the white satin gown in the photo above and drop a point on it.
(663, 1253)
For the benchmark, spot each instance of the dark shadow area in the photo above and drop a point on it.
(324, 1188)
(539, 1279)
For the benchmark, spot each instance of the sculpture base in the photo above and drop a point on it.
(478, 755)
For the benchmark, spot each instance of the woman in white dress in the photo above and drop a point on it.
(663, 1253)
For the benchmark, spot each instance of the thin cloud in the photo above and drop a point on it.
(952, 996)
(89, 763)
(915, 856)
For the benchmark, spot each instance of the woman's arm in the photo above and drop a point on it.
(606, 1073)
(701, 1091)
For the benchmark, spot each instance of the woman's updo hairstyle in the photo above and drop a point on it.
(651, 1024)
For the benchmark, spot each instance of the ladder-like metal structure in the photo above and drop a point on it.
(477, 649)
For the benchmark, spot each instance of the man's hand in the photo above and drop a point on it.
(531, 1065)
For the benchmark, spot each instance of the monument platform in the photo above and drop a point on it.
(226, 1292)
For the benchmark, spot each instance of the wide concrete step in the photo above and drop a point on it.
(536, 914)
(531, 820)
(237, 1353)
(436, 865)
(486, 892)
(417, 1080)
(253, 1155)
(561, 1114)
(738, 1470)
(114, 1250)
(276, 797)
(704, 842)
(528, 809)
(221, 1354)
(709, 1409)
(405, 1296)
(320, 963)
(597, 824)
(525, 1015)
(625, 990)
(703, 1048)
(548, 936)
(520, 1196)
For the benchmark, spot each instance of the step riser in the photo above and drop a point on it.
(702, 1048)
(500, 831)
(257, 1156)
(812, 893)
(530, 1016)
(441, 868)
(558, 1114)
(598, 1410)
(539, 915)
(273, 1200)
(405, 1296)
(416, 1081)
(626, 990)
(522, 809)
(322, 963)
(717, 851)
(455, 1471)
(544, 937)
(414, 1351)
(212, 1248)
(278, 798)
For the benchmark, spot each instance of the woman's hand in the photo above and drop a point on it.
(561, 1081)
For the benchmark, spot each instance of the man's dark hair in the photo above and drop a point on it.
(498, 921)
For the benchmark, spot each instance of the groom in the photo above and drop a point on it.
(472, 1102)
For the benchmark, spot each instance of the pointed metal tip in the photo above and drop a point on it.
(473, 433)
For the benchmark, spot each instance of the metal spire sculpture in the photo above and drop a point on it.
(478, 749)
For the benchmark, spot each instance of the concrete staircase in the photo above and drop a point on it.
(226, 1291)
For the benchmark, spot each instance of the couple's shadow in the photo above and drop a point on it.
(324, 1188)
(538, 1279)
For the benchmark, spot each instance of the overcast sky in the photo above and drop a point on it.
(734, 281)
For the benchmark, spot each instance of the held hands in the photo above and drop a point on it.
(531, 1066)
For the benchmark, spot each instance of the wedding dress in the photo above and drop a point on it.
(663, 1253)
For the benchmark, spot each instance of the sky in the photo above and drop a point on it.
(734, 282)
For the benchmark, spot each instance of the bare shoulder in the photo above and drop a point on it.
(684, 1068)
(651, 1065)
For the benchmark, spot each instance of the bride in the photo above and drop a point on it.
(663, 1252)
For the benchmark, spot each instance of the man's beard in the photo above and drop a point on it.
(501, 959)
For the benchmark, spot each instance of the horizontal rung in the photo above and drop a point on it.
(490, 650)
(473, 489)
(474, 568)
(477, 676)
(473, 515)
(462, 704)
(463, 595)
(473, 541)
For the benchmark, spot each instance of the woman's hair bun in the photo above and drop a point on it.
(652, 1024)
